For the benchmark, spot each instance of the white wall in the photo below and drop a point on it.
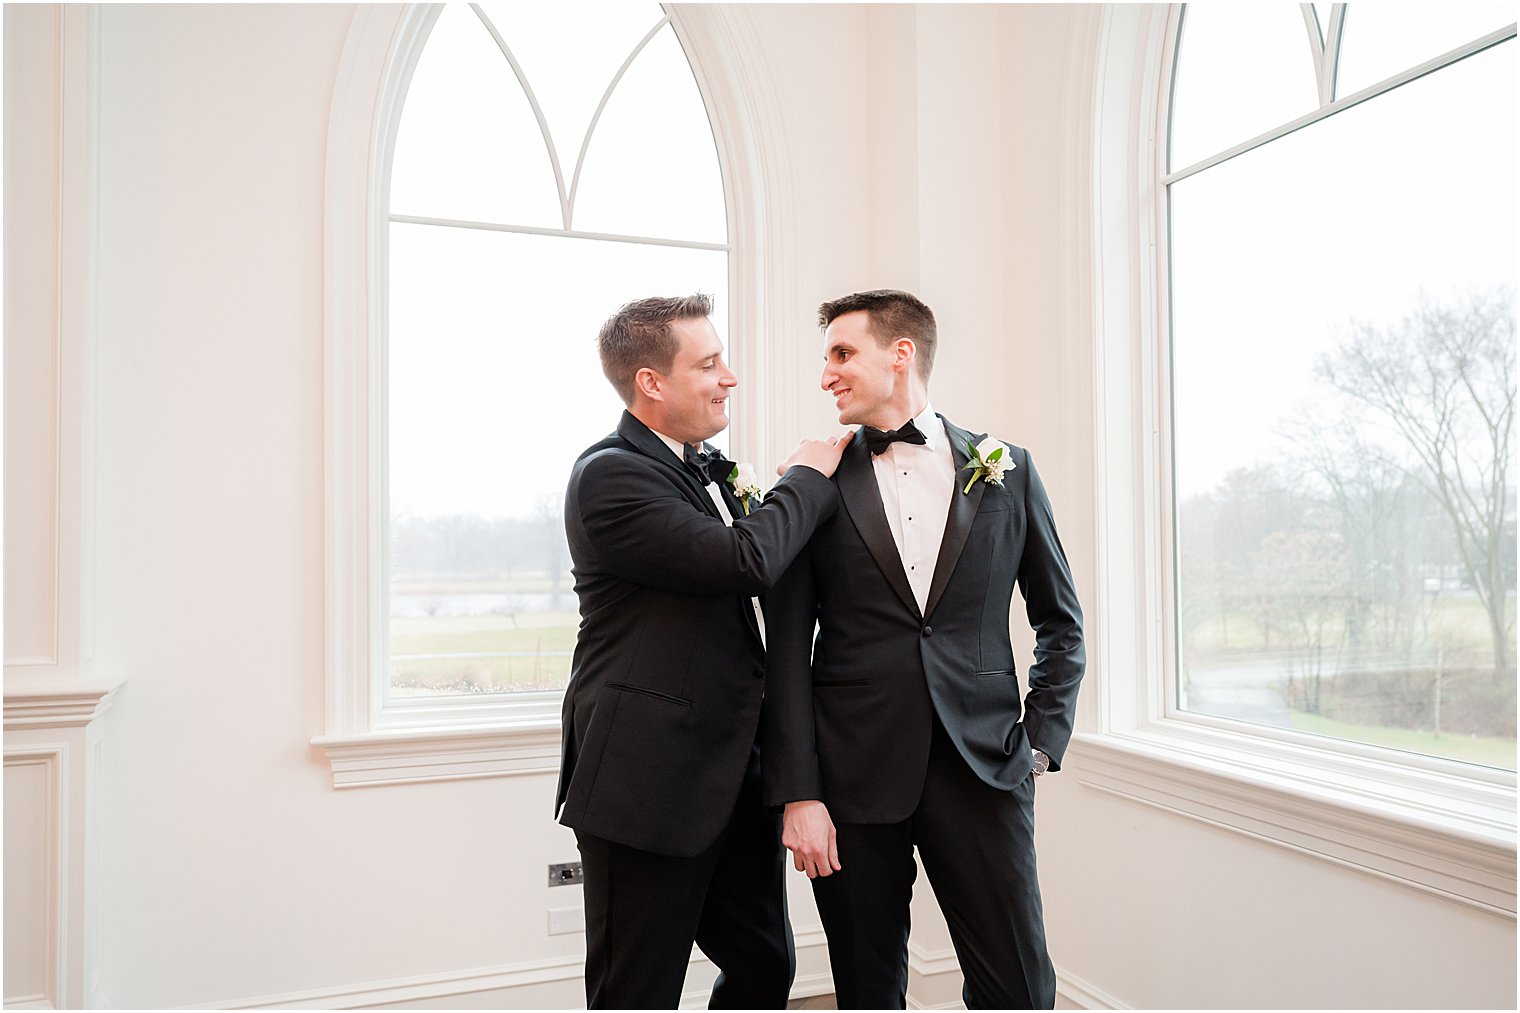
(933, 153)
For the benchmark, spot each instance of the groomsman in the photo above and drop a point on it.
(902, 724)
(660, 776)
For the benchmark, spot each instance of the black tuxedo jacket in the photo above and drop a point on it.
(848, 718)
(665, 685)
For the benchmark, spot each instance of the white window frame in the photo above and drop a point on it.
(449, 739)
(1436, 825)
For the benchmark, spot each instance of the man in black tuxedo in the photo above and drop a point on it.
(660, 775)
(902, 725)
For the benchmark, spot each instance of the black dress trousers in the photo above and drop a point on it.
(977, 846)
(730, 900)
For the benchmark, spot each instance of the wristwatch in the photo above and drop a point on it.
(1041, 761)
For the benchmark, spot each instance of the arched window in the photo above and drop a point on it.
(1340, 190)
(551, 162)
(500, 177)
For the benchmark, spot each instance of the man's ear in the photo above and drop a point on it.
(904, 351)
(649, 383)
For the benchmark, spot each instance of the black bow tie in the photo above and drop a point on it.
(707, 465)
(878, 441)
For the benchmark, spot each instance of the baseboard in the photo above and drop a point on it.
(934, 978)
(934, 982)
(504, 979)
(1073, 991)
(555, 983)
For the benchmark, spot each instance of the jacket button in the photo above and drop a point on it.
(928, 631)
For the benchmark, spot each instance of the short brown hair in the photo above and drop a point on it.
(894, 314)
(639, 335)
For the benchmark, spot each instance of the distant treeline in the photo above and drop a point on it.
(477, 548)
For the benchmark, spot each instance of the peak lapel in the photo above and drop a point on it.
(862, 500)
(963, 507)
(651, 446)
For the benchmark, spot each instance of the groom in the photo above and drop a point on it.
(660, 775)
(902, 725)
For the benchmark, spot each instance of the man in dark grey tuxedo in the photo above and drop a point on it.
(660, 776)
(902, 725)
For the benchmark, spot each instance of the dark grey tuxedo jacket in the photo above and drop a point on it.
(848, 718)
(663, 704)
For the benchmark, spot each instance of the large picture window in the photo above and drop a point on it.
(1341, 194)
(551, 162)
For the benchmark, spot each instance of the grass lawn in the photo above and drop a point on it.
(532, 653)
(1490, 752)
(1459, 621)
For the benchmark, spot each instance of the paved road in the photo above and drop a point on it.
(1243, 689)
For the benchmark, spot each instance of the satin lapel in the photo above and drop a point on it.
(963, 507)
(647, 443)
(862, 499)
(736, 511)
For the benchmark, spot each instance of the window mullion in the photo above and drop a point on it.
(1317, 53)
(580, 159)
(1412, 74)
(530, 230)
(538, 113)
(1334, 32)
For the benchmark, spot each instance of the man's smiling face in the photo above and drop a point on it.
(696, 388)
(858, 372)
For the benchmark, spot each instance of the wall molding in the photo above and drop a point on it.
(60, 413)
(46, 701)
(52, 720)
(53, 758)
(354, 175)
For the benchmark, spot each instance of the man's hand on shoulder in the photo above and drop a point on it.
(820, 455)
(808, 833)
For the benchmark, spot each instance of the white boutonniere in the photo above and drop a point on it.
(745, 484)
(989, 459)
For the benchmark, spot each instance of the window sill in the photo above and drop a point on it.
(1436, 826)
(434, 754)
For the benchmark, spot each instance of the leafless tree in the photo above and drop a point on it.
(1443, 380)
(549, 514)
(1306, 590)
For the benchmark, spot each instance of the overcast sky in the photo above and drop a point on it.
(1276, 251)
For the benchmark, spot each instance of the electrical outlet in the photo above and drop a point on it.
(566, 874)
(565, 920)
